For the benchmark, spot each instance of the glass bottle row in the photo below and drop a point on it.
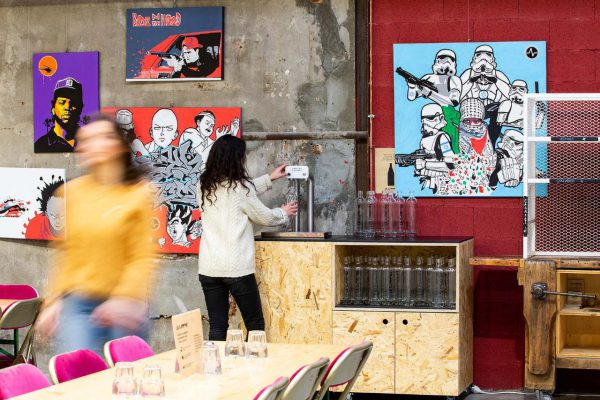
(399, 282)
(387, 215)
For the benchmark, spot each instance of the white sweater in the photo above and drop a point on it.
(227, 243)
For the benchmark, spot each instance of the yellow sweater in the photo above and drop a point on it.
(108, 249)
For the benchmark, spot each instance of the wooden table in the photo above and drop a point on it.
(4, 303)
(241, 378)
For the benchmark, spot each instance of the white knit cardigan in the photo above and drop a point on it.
(227, 243)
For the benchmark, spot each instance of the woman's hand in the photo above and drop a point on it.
(47, 322)
(121, 311)
(290, 209)
(278, 172)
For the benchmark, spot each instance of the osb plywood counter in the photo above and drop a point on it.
(416, 351)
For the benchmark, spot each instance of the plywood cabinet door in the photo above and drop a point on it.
(294, 279)
(351, 327)
(427, 353)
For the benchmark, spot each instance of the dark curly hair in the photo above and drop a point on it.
(134, 172)
(225, 165)
(48, 190)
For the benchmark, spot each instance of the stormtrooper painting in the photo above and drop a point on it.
(458, 128)
(172, 144)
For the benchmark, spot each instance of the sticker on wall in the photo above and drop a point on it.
(173, 143)
(30, 206)
(165, 44)
(65, 96)
(458, 110)
(385, 174)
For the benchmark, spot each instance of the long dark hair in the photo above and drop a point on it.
(134, 172)
(225, 165)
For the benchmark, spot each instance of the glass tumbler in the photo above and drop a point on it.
(234, 345)
(257, 344)
(210, 363)
(152, 385)
(124, 383)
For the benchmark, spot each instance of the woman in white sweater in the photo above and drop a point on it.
(229, 207)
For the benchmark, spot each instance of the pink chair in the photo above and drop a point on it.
(274, 391)
(19, 314)
(305, 381)
(345, 369)
(128, 349)
(21, 379)
(75, 364)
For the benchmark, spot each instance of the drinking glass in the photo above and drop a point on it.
(235, 346)
(124, 383)
(211, 361)
(290, 197)
(257, 344)
(152, 385)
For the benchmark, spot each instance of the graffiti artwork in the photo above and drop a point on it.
(30, 205)
(459, 116)
(174, 43)
(173, 144)
(65, 96)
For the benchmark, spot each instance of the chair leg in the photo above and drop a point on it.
(15, 341)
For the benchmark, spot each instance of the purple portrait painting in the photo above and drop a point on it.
(65, 96)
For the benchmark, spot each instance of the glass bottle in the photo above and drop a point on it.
(438, 299)
(388, 224)
(386, 282)
(396, 205)
(429, 285)
(370, 215)
(379, 215)
(358, 219)
(451, 281)
(348, 287)
(364, 279)
(373, 283)
(408, 300)
(359, 278)
(418, 283)
(410, 215)
(399, 282)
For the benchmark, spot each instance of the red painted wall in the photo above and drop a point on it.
(572, 32)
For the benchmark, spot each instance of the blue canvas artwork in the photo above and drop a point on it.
(458, 116)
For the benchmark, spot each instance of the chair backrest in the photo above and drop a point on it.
(126, 349)
(20, 314)
(274, 391)
(21, 379)
(18, 292)
(304, 382)
(75, 364)
(345, 369)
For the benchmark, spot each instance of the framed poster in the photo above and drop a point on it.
(166, 44)
(30, 206)
(65, 96)
(173, 143)
(384, 169)
(458, 115)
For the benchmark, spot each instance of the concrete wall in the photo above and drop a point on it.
(288, 64)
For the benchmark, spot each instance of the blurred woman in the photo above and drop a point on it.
(229, 207)
(101, 282)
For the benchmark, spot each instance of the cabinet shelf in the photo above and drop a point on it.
(579, 352)
(574, 310)
(343, 307)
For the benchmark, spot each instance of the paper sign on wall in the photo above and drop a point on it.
(384, 169)
(187, 330)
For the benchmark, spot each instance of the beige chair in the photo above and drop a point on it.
(304, 382)
(274, 391)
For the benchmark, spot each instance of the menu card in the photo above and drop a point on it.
(187, 330)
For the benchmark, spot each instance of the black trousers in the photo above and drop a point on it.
(245, 293)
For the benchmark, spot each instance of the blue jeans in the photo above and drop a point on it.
(77, 331)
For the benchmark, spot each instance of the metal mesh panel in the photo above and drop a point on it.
(567, 218)
(567, 118)
(566, 160)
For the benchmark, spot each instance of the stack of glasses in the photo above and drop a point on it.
(385, 216)
(400, 282)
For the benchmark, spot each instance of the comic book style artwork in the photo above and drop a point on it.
(30, 206)
(65, 96)
(167, 44)
(458, 115)
(173, 145)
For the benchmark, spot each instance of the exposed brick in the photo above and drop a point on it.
(571, 65)
(487, 10)
(499, 30)
(556, 9)
(383, 70)
(574, 87)
(498, 247)
(446, 221)
(485, 202)
(433, 32)
(573, 34)
(456, 9)
(408, 11)
(497, 223)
